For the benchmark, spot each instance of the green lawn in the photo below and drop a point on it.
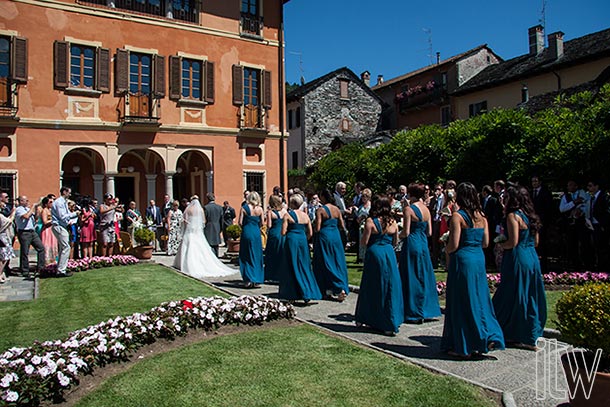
(284, 366)
(68, 304)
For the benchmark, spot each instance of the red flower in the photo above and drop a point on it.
(186, 305)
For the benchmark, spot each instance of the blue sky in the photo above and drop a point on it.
(391, 37)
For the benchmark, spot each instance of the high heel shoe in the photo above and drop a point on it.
(3, 278)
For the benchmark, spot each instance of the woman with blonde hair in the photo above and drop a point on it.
(275, 241)
(251, 263)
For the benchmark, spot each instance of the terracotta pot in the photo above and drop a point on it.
(600, 394)
(144, 252)
(232, 246)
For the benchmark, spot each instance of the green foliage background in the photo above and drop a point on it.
(569, 140)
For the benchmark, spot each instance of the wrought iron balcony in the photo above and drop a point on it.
(8, 99)
(436, 96)
(184, 10)
(135, 108)
(251, 24)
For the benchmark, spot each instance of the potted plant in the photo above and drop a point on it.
(233, 233)
(583, 315)
(145, 239)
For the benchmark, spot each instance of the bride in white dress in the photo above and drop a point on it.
(195, 256)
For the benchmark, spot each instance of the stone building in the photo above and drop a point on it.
(338, 105)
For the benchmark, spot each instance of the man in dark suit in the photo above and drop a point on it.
(544, 208)
(167, 206)
(153, 214)
(213, 222)
(600, 218)
(493, 212)
(436, 204)
(228, 216)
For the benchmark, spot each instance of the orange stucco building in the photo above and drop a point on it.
(141, 98)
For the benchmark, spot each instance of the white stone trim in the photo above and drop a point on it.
(245, 183)
(253, 66)
(73, 102)
(82, 42)
(260, 146)
(152, 51)
(13, 157)
(9, 33)
(192, 56)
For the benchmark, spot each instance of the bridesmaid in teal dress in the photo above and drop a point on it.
(380, 302)
(251, 244)
(275, 241)
(520, 300)
(416, 271)
(329, 264)
(297, 281)
(470, 327)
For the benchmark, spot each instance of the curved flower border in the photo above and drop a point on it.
(88, 263)
(45, 370)
(564, 278)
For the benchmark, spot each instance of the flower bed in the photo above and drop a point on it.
(45, 370)
(550, 279)
(87, 263)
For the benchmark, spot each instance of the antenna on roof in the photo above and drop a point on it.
(430, 48)
(542, 20)
(300, 54)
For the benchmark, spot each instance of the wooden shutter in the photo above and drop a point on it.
(238, 85)
(159, 84)
(19, 61)
(121, 71)
(61, 64)
(267, 90)
(102, 74)
(209, 82)
(175, 77)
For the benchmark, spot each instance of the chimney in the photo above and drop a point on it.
(379, 80)
(556, 45)
(366, 78)
(536, 39)
(438, 57)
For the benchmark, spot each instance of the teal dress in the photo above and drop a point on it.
(417, 274)
(329, 264)
(470, 322)
(520, 300)
(297, 281)
(380, 302)
(274, 249)
(251, 249)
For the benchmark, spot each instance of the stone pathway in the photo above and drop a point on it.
(18, 288)
(511, 372)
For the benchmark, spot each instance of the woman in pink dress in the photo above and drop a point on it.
(49, 241)
(87, 228)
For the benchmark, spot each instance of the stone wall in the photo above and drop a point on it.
(325, 112)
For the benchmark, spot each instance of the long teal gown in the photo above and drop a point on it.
(297, 281)
(520, 300)
(417, 274)
(380, 302)
(470, 323)
(329, 264)
(274, 249)
(251, 249)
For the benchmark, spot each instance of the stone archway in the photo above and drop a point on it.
(137, 177)
(82, 169)
(193, 175)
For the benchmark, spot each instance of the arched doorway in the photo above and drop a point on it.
(192, 176)
(82, 169)
(137, 179)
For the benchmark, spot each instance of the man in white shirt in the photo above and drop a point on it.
(574, 206)
(62, 218)
(25, 220)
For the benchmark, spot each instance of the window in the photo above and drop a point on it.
(443, 80)
(298, 117)
(191, 80)
(8, 183)
(295, 160)
(445, 115)
(13, 70)
(343, 84)
(290, 126)
(345, 125)
(255, 182)
(140, 71)
(476, 109)
(251, 91)
(82, 67)
(251, 18)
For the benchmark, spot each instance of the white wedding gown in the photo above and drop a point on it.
(195, 257)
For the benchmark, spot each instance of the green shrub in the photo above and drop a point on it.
(144, 236)
(234, 232)
(584, 317)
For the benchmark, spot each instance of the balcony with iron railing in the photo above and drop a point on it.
(251, 25)
(8, 100)
(139, 109)
(183, 10)
(422, 96)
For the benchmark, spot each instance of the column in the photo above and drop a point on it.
(169, 183)
(110, 183)
(151, 187)
(61, 180)
(98, 186)
(210, 181)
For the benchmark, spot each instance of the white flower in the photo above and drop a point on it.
(64, 380)
(44, 371)
(10, 396)
(29, 369)
(72, 368)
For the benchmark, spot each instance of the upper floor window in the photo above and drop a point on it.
(191, 79)
(13, 70)
(140, 71)
(445, 115)
(83, 67)
(298, 117)
(251, 18)
(476, 109)
(344, 87)
(290, 125)
(252, 91)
